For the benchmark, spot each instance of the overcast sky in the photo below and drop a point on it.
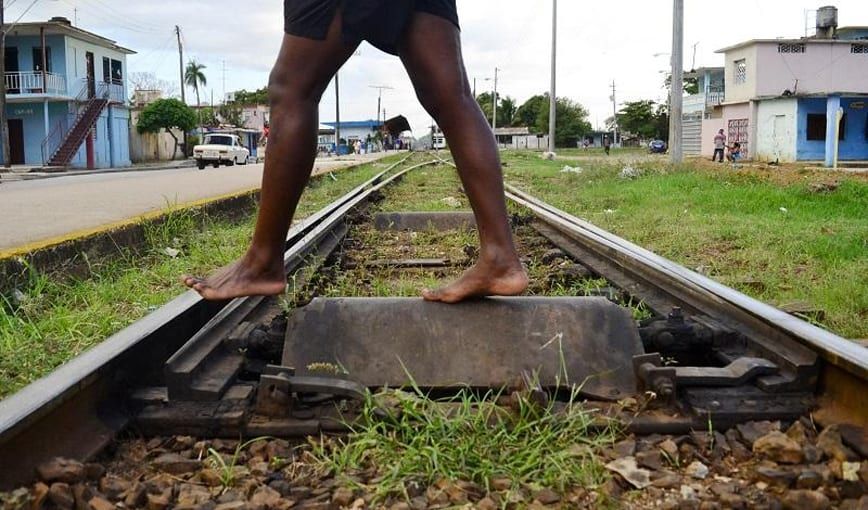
(625, 41)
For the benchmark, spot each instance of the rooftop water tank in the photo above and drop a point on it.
(827, 22)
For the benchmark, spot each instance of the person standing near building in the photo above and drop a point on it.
(719, 146)
(607, 144)
(320, 35)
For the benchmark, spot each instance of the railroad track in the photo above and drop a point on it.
(702, 354)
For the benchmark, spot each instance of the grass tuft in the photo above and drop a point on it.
(407, 437)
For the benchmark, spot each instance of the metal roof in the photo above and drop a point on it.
(372, 124)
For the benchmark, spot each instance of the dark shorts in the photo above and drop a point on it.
(380, 22)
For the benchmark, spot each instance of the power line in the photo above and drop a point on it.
(124, 16)
(117, 21)
(22, 15)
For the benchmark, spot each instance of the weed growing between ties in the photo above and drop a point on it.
(409, 440)
(55, 317)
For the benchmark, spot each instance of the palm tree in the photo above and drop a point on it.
(194, 77)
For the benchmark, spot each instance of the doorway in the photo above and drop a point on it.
(10, 59)
(16, 141)
(91, 75)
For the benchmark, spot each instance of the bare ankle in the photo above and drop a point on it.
(499, 257)
(260, 261)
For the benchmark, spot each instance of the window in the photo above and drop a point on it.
(117, 72)
(37, 59)
(740, 71)
(106, 70)
(817, 127)
(791, 48)
(859, 49)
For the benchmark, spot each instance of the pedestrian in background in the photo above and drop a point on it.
(719, 145)
(607, 145)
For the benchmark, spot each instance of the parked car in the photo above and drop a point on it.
(220, 149)
(657, 147)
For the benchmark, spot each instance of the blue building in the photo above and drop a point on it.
(66, 96)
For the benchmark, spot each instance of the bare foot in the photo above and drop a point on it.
(483, 279)
(239, 279)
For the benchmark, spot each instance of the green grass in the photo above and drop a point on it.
(469, 438)
(55, 318)
(765, 233)
(425, 189)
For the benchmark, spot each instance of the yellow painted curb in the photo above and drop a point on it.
(88, 232)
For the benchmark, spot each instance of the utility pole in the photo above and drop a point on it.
(337, 113)
(553, 98)
(676, 94)
(494, 103)
(614, 114)
(181, 64)
(4, 127)
(381, 88)
(224, 80)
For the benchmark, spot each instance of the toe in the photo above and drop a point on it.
(432, 295)
(189, 281)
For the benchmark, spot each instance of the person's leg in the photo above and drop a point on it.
(431, 53)
(303, 70)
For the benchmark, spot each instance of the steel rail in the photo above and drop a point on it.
(838, 351)
(832, 348)
(78, 408)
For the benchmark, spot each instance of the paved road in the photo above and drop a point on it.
(42, 211)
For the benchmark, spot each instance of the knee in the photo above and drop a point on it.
(286, 92)
(439, 101)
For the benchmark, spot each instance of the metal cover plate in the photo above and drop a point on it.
(486, 343)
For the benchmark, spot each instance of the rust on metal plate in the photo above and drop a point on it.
(486, 343)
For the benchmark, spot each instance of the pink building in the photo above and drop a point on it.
(783, 96)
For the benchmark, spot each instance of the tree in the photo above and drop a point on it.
(149, 81)
(639, 118)
(571, 122)
(528, 113)
(506, 112)
(167, 114)
(208, 117)
(230, 113)
(505, 108)
(256, 97)
(194, 77)
(691, 85)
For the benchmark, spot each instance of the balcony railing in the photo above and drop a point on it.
(84, 89)
(715, 98)
(31, 82)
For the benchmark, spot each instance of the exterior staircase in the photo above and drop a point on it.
(83, 124)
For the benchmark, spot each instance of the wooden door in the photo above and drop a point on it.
(16, 141)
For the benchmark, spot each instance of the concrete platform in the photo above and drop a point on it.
(486, 343)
